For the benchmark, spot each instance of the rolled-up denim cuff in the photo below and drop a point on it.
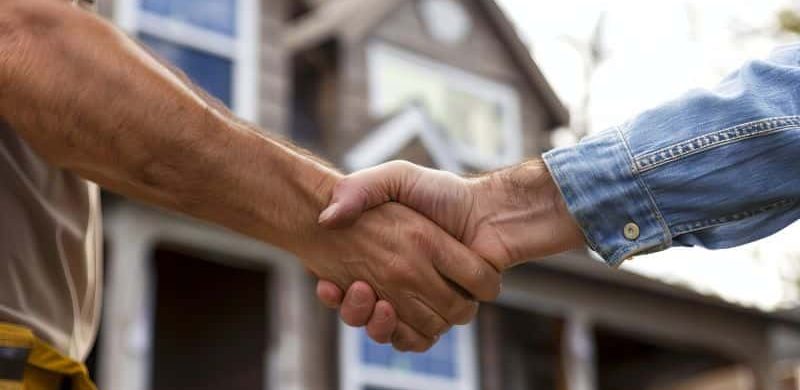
(604, 193)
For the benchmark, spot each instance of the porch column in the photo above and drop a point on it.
(577, 351)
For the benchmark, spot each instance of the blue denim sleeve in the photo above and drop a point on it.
(715, 168)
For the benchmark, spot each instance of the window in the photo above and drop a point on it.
(480, 117)
(213, 41)
(449, 365)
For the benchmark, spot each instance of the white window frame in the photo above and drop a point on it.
(356, 375)
(241, 49)
(465, 81)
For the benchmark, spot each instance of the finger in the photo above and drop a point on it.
(471, 272)
(439, 294)
(382, 324)
(358, 304)
(426, 320)
(329, 294)
(364, 190)
(406, 339)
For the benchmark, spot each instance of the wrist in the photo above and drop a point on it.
(528, 212)
(311, 185)
(274, 192)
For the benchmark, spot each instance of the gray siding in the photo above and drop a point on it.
(275, 74)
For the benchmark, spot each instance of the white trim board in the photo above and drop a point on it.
(389, 138)
(127, 333)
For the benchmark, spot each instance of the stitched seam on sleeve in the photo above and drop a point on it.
(652, 160)
(653, 206)
(736, 217)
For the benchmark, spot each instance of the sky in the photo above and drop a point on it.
(652, 51)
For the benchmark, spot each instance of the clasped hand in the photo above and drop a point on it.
(503, 218)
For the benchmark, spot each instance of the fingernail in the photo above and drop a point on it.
(328, 213)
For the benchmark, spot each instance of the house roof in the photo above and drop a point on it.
(580, 264)
(355, 18)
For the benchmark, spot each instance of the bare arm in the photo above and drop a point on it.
(88, 99)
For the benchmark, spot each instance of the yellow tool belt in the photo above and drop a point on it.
(28, 363)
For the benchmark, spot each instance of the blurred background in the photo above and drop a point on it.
(467, 86)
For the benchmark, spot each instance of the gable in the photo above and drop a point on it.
(481, 51)
(493, 48)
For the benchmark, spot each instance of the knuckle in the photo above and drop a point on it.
(421, 238)
(463, 313)
(434, 325)
(496, 289)
(491, 285)
(478, 275)
(399, 272)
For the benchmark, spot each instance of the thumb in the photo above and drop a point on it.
(363, 190)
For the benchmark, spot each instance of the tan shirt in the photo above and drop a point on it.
(50, 241)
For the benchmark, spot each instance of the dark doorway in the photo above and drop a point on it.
(210, 325)
(626, 362)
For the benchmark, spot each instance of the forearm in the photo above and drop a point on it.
(90, 100)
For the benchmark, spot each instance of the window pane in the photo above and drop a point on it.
(216, 15)
(439, 361)
(466, 115)
(475, 122)
(212, 73)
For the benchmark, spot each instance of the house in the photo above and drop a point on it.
(444, 83)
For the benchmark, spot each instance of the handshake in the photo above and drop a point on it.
(418, 248)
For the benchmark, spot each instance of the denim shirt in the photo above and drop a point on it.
(714, 168)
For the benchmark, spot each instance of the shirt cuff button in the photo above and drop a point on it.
(631, 231)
